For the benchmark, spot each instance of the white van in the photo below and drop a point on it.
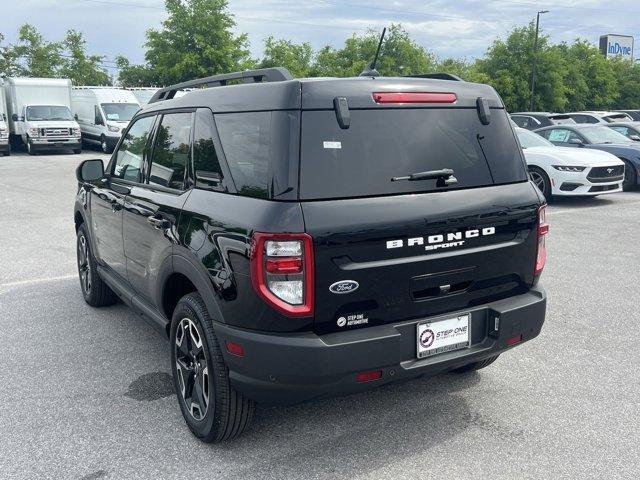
(103, 113)
(143, 94)
(5, 148)
(39, 112)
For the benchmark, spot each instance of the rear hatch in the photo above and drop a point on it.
(414, 248)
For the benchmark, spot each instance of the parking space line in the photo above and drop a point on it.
(34, 281)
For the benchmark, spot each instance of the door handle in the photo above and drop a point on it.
(158, 222)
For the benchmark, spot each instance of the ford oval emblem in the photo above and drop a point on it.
(344, 286)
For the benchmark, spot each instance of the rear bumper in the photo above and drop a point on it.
(293, 368)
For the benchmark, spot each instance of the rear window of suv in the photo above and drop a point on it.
(385, 143)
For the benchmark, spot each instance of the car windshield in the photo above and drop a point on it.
(48, 112)
(529, 139)
(603, 134)
(120, 112)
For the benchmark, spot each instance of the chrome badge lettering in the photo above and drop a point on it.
(443, 240)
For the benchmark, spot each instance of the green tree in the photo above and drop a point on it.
(81, 68)
(134, 75)
(400, 55)
(9, 61)
(627, 80)
(284, 53)
(38, 57)
(507, 66)
(589, 78)
(196, 40)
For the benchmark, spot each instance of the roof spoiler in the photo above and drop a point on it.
(437, 76)
(276, 74)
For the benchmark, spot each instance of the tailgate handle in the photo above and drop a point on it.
(442, 284)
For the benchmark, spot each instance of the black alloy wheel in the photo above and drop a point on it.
(192, 369)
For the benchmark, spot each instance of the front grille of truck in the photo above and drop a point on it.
(606, 174)
(55, 132)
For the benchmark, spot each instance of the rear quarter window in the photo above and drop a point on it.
(261, 149)
(383, 143)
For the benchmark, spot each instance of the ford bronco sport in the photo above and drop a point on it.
(301, 238)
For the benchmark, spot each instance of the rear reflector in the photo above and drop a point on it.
(284, 265)
(542, 229)
(369, 376)
(414, 97)
(513, 340)
(234, 348)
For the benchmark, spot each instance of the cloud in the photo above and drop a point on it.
(461, 29)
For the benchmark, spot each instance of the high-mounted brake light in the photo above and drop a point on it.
(282, 271)
(542, 229)
(414, 97)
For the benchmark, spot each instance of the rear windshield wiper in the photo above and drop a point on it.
(445, 177)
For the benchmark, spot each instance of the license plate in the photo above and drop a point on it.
(444, 336)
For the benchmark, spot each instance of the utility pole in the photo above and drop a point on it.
(535, 59)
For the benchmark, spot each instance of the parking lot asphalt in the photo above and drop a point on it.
(86, 393)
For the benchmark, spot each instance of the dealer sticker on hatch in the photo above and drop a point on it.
(443, 336)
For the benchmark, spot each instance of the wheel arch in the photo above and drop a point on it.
(185, 277)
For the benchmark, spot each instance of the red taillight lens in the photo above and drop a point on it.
(541, 231)
(414, 97)
(282, 271)
(514, 340)
(284, 266)
(369, 376)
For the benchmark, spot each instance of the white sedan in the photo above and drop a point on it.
(568, 171)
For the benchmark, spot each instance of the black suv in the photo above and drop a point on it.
(300, 238)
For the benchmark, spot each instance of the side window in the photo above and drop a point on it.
(558, 135)
(172, 150)
(206, 166)
(623, 130)
(246, 141)
(133, 149)
(522, 122)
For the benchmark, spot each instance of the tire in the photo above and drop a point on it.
(630, 181)
(103, 145)
(218, 412)
(541, 180)
(95, 292)
(472, 367)
(30, 149)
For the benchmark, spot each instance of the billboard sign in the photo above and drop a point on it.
(617, 46)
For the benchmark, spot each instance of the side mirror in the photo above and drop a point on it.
(635, 138)
(98, 120)
(576, 141)
(90, 171)
(14, 117)
(75, 116)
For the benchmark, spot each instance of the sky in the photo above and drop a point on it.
(459, 29)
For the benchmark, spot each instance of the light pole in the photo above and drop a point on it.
(535, 58)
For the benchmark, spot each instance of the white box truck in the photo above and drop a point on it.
(39, 113)
(5, 148)
(103, 113)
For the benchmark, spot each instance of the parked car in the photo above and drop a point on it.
(103, 113)
(600, 117)
(599, 137)
(5, 146)
(39, 111)
(300, 238)
(570, 172)
(635, 114)
(631, 130)
(535, 120)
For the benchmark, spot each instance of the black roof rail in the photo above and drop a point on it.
(275, 74)
(438, 76)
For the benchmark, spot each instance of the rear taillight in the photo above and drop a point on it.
(414, 97)
(282, 271)
(541, 232)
